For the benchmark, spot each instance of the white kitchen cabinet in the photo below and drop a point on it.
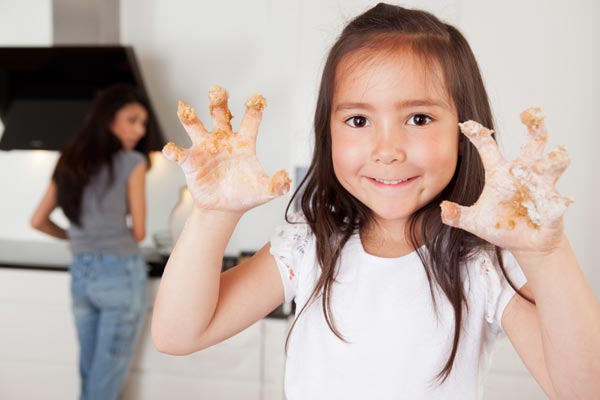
(38, 346)
(38, 351)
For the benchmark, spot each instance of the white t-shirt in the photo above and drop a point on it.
(396, 344)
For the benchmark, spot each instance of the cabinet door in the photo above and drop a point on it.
(38, 350)
(160, 386)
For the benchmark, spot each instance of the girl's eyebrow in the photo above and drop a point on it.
(420, 103)
(353, 106)
(411, 103)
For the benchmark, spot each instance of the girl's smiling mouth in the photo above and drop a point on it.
(391, 182)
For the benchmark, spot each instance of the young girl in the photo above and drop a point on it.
(400, 292)
(98, 180)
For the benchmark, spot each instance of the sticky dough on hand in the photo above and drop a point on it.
(523, 189)
(221, 168)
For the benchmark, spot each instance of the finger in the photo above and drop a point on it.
(481, 137)
(562, 203)
(175, 153)
(279, 184)
(253, 115)
(552, 209)
(558, 206)
(219, 109)
(457, 216)
(192, 125)
(554, 164)
(538, 137)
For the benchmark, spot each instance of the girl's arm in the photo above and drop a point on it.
(136, 197)
(520, 210)
(558, 338)
(196, 305)
(40, 220)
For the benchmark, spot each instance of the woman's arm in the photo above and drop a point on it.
(136, 196)
(559, 337)
(40, 220)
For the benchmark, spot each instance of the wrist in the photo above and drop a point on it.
(539, 256)
(214, 216)
(544, 263)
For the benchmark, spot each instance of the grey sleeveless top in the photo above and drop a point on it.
(104, 210)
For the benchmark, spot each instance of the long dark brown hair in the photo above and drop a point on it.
(93, 146)
(334, 215)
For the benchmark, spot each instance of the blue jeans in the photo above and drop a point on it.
(109, 305)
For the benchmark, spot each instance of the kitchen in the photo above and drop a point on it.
(275, 48)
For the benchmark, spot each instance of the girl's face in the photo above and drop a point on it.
(129, 124)
(394, 133)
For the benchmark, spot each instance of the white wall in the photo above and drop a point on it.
(25, 22)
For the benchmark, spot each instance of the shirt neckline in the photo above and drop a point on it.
(409, 257)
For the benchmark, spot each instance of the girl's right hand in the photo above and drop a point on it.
(221, 168)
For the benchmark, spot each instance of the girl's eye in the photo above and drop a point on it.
(419, 120)
(357, 121)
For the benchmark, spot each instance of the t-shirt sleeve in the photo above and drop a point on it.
(133, 159)
(288, 245)
(498, 290)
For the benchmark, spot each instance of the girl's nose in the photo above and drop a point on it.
(388, 146)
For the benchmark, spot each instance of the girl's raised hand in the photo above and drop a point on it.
(221, 168)
(519, 208)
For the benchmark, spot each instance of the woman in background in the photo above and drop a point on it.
(99, 180)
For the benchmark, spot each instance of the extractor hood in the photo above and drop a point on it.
(45, 92)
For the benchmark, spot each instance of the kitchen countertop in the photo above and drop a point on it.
(50, 254)
(56, 256)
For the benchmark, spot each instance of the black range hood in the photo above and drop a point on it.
(45, 92)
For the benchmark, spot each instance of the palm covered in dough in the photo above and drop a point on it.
(221, 168)
(519, 208)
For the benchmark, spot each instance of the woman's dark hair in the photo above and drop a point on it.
(93, 146)
(334, 215)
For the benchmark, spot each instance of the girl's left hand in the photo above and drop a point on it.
(519, 208)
